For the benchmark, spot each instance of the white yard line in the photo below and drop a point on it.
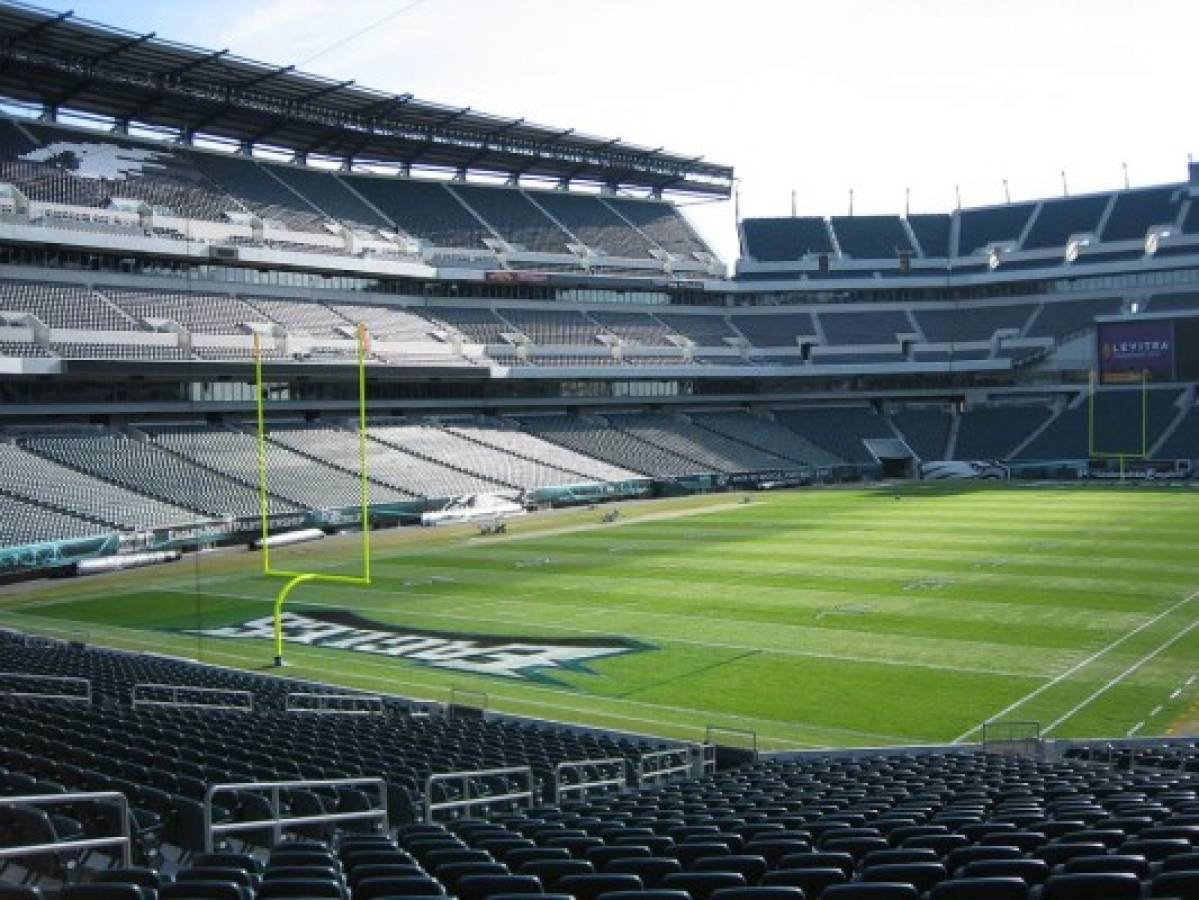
(1149, 657)
(1080, 665)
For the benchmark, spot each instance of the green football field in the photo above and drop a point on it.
(818, 617)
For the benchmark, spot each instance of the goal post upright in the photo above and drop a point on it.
(1121, 454)
(295, 579)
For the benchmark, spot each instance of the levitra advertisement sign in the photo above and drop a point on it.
(480, 654)
(1130, 351)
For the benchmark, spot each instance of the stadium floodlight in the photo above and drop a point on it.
(295, 579)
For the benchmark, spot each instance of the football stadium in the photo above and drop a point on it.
(403, 501)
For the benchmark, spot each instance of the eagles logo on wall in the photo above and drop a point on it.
(480, 654)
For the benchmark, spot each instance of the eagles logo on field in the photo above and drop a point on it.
(480, 654)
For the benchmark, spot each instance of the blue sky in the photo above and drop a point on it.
(815, 97)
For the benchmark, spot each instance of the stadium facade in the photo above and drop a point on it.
(542, 318)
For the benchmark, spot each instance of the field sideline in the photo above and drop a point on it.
(822, 617)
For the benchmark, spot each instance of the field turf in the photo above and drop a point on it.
(821, 617)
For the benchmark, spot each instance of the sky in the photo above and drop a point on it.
(815, 98)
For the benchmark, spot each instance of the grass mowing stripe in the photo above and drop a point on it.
(1079, 666)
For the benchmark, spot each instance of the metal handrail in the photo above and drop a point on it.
(278, 821)
(620, 781)
(468, 802)
(85, 697)
(122, 840)
(744, 732)
(175, 690)
(455, 691)
(662, 765)
(373, 701)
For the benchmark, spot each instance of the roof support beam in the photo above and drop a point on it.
(113, 52)
(42, 26)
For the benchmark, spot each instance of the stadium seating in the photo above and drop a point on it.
(778, 330)
(925, 431)
(839, 429)
(702, 330)
(713, 451)
(595, 438)
(765, 434)
(785, 239)
(423, 209)
(972, 322)
(515, 217)
(27, 522)
(593, 223)
(1135, 212)
(1062, 217)
(878, 327)
(661, 223)
(33, 478)
(1065, 318)
(871, 237)
(993, 432)
(634, 327)
(63, 306)
(993, 224)
(1183, 442)
(1117, 422)
(510, 440)
(932, 231)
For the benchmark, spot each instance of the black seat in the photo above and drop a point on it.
(408, 886)
(361, 873)
(1181, 862)
(1091, 886)
(980, 889)
(601, 856)
(590, 887)
(651, 870)
(1060, 853)
(114, 891)
(822, 859)
(551, 871)
(204, 890)
(758, 893)
(452, 873)
(1032, 871)
(300, 887)
(217, 873)
(811, 881)
(481, 887)
(1121, 862)
(519, 856)
(965, 855)
(901, 855)
(147, 878)
(646, 895)
(687, 854)
(864, 890)
(1183, 885)
(921, 874)
(752, 868)
(700, 885)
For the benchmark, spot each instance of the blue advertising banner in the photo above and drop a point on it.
(1129, 351)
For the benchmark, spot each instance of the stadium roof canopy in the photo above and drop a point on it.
(58, 60)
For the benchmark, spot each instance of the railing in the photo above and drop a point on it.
(189, 697)
(61, 682)
(121, 840)
(278, 822)
(334, 704)
(466, 779)
(664, 765)
(752, 749)
(617, 777)
(456, 692)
